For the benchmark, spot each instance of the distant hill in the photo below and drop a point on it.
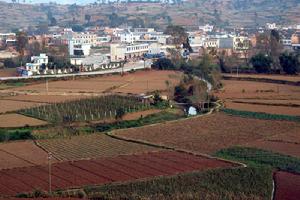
(190, 13)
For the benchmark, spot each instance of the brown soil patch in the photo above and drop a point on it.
(283, 147)
(137, 115)
(283, 110)
(287, 186)
(258, 90)
(138, 82)
(17, 120)
(261, 97)
(21, 154)
(10, 105)
(8, 72)
(295, 78)
(286, 143)
(207, 134)
(45, 98)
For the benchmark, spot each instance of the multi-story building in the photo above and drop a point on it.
(241, 43)
(271, 26)
(121, 52)
(206, 28)
(295, 40)
(8, 38)
(35, 65)
(212, 43)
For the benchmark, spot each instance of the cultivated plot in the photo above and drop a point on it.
(17, 120)
(21, 154)
(207, 134)
(91, 146)
(287, 186)
(101, 171)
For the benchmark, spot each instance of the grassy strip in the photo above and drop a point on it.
(16, 134)
(260, 115)
(150, 119)
(258, 157)
(238, 183)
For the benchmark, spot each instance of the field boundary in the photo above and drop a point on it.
(264, 80)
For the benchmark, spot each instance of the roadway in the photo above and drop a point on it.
(127, 67)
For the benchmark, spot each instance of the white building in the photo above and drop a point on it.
(36, 63)
(212, 43)
(241, 43)
(206, 28)
(76, 49)
(8, 38)
(121, 52)
(271, 26)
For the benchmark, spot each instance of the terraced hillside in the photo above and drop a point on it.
(191, 13)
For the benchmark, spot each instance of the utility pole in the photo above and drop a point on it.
(50, 181)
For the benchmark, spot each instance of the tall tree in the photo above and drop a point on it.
(22, 41)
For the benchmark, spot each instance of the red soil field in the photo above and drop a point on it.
(106, 170)
(21, 154)
(287, 186)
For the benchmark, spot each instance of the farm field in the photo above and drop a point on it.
(282, 110)
(216, 184)
(261, 97)
(8, 72)
(266, 76)
(138, 82)
(102, 171)
(258, 90)
(285, 143)
(44, 98)
(137, 115)
(21, 154)
(207, 134)
(17, 120)
(11, 105)
(91, 146)
(96, 108)
(287, 186)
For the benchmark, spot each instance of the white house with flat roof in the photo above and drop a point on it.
(36, 63)
(120, 52)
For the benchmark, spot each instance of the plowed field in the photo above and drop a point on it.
(287, 186)
(21, 154)
(17, 120)
(91, 146)
(208, 134)
(138, 82)
(101, 171)
(261, 97)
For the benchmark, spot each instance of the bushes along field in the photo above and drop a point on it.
(260, 115)
(239, 183)
(257, 157)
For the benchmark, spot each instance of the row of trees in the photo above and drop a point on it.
(269, 55)
(58, 55)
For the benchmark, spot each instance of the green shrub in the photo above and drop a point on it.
(213, 184)
(18, 134)
(260, 115)
(258, 157)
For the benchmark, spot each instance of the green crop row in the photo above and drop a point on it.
(261, 115)
(258, 157)
(238, 183)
